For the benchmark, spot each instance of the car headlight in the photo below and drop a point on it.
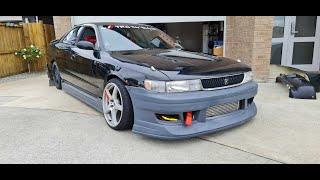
(173, 86)
(158, 86)
(248, 76)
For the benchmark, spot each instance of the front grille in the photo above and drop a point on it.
(221, 109)
(222, 81)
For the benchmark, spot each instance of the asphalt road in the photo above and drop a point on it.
(39, 124)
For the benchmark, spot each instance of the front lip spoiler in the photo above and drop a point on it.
(249, 117)
(147, 104)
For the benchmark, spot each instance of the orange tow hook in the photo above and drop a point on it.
(188, 120)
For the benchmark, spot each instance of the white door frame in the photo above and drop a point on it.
(288, 41)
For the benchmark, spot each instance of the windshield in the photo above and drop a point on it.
(134, 37)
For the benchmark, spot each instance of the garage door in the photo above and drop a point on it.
(145, 19)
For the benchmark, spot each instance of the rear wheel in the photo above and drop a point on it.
(117, 106)
(56, 76)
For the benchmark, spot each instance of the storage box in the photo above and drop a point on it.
(218, 51)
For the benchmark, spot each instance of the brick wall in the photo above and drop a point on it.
(62, 24)
(249, 38)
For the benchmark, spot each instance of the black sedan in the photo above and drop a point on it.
(141, 79)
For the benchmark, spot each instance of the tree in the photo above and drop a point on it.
(30, 54)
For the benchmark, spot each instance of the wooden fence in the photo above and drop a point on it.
(17, 38)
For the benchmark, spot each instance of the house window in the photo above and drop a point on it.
(278, 27)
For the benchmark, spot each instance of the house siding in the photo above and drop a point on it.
(62, 24)
(249, 38)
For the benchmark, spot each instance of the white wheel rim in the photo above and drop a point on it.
(112, 104)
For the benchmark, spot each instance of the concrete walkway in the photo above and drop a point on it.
(39, 124)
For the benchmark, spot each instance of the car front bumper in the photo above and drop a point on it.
(147, 104)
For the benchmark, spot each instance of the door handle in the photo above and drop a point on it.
(73, 56)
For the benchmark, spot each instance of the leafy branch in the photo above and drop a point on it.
(30, 54)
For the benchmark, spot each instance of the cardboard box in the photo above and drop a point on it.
(218, 51)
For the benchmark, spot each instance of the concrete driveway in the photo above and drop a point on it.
(39, 124)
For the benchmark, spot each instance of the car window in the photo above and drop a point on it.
(71, 37)
(146, 37)
(158, 43)
(88, 34)
(114, 41)
(132, 37)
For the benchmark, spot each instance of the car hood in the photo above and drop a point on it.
(179, 62)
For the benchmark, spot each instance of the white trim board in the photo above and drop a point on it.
(144, 19)
(10, 18)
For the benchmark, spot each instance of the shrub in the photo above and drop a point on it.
(30, 54)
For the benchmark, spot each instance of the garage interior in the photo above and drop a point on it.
(206, 37)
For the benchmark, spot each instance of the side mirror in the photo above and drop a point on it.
(86, 45)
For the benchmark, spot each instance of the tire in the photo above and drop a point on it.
(56, 76)
(111, 103)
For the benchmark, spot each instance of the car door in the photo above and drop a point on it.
(63, 54)
(83, 62)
